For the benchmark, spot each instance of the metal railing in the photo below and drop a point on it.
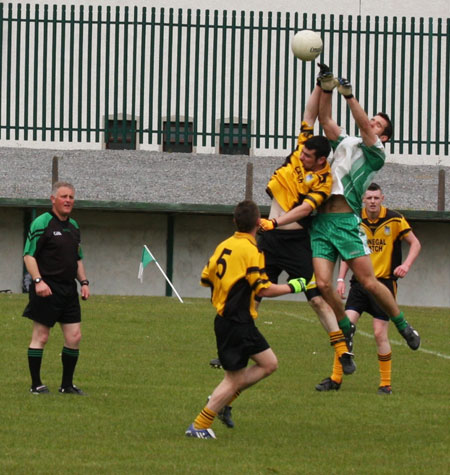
(75, 74)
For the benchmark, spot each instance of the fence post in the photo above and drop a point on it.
(249, 181)
(55, 170)
(441, 190)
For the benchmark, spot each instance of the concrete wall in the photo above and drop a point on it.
(428, 282)
(112, 243)
(11, 247)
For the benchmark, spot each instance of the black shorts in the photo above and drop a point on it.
(289, 251)
(236, 342)
(62, 306)
(360, 300)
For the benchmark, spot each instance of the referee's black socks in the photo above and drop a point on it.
(34, 363)
(69, 358)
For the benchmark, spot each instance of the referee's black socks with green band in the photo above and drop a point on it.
(34, 363)
(69, 358)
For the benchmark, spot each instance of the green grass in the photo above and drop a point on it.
(144, 364)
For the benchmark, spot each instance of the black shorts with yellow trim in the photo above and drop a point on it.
(288, 251)
(237, 342)
(360, 300)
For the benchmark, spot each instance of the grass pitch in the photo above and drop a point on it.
(144, 364)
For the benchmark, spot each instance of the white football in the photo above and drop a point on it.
(306, 45)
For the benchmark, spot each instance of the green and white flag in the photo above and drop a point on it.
(148, 257)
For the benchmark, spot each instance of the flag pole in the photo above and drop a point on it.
(164, 274)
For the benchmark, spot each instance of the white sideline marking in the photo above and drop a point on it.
(368, 335)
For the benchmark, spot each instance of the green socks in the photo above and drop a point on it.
(345, 325)
(400, 322)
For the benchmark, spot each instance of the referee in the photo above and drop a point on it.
(53, 257)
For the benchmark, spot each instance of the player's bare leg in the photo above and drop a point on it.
(363, 270)
(236, 381)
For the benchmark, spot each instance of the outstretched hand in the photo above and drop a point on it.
(345, 88)
(297, 285)
(325, 78)
(267, 224)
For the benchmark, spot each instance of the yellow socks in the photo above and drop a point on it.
(385, 363)
(205, 419)
(337, 373)
(337, 340)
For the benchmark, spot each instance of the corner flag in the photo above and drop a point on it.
(148, 257)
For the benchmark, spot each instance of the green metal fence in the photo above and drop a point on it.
(78, 74)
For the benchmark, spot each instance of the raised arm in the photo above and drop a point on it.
(312, 107)
(362, 121)
(329, 125)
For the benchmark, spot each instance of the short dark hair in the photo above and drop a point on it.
(374, 187)
(388, 129)
(319, 144)
(246, 215)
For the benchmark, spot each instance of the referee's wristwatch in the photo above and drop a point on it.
(84, 282)
(37, 280)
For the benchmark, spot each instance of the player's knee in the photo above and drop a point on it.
(380, 336)
(317, 303)
(324, 286)
(370, 284)
(271, 366)
(73, 339)
(40, 340)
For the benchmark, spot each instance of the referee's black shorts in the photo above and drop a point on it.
(236, 342)
(63, 306)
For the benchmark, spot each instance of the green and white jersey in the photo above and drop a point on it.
(353, 167)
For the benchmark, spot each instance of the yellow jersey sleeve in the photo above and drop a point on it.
(291, 184)
(236, 273)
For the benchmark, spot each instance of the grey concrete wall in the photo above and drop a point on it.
(11, 247)
(428, 282)
(112, 243)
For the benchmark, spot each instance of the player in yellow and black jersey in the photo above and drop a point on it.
(385, 230)
(301, 180)
(297, 189)
(235, 273)
(384, 234)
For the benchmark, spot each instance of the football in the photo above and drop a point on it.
(306, 45)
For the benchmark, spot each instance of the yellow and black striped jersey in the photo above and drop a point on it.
(291, 184)
(384, 236)
(235, 273)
